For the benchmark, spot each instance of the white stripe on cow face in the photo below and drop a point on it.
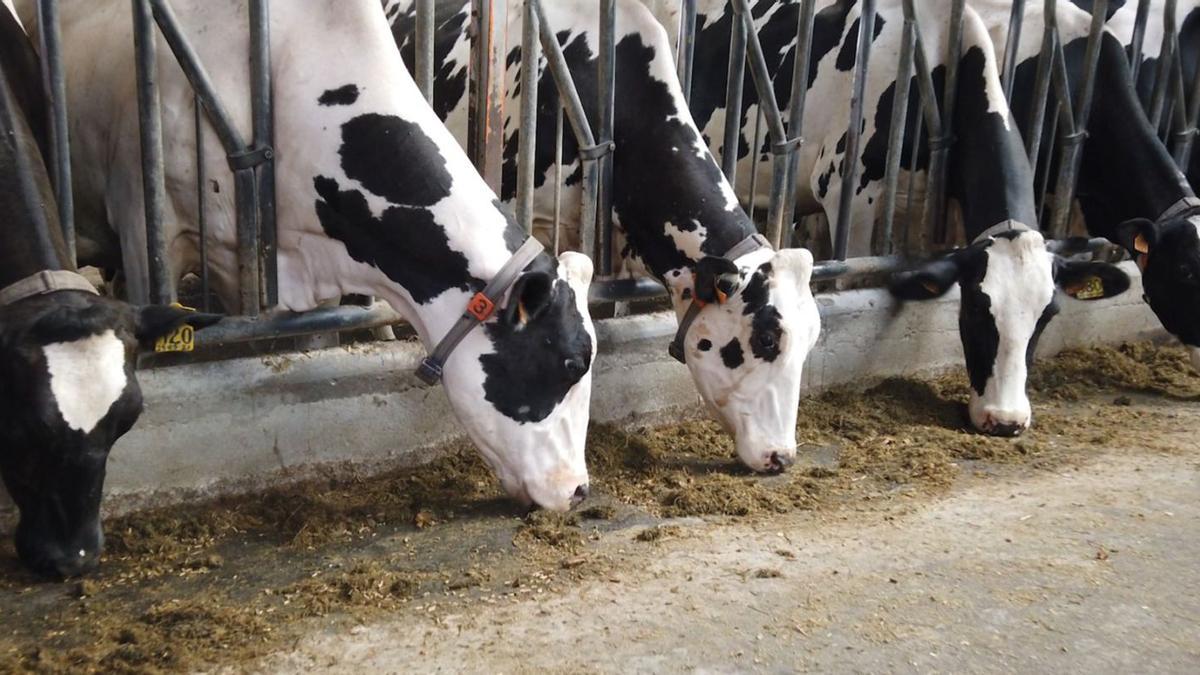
(1019, 283)
(86, 378)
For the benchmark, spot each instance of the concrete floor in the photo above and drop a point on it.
(1090, 568)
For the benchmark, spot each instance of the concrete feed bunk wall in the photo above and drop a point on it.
(251, 422)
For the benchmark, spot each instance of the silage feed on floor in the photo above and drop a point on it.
(222, 582)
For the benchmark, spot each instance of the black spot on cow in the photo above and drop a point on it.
(686, 294)
(344, 95)
(849, 52)
(514, 234)
(394, 159)
(823, 181)
(450, 76)
(406, 244)
(976, 324)
(539, 358)
(757, 292)
(766, 334)
(704, 345)
(732, 355)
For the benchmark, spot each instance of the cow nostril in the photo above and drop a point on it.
(1006, 429)
(581, 493)
(779, 463)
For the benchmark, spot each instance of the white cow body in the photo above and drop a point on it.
(317, 46)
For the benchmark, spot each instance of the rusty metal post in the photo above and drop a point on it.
(485, 136)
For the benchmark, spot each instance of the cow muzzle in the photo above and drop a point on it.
(61, 559)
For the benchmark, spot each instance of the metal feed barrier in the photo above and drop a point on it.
(252, 163)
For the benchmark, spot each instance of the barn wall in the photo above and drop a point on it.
(250, 422)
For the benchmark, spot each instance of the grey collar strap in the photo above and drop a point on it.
(1002, 226)
(1179, 208)
(41, 283)
(748, 245)
(479, 309)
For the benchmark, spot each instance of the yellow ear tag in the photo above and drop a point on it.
(182, 339)
(1091, 289)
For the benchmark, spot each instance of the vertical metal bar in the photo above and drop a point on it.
(54, 80)
(1051, 142)
(934, 122)
(734, 84)
(1016, 22)
(866, 33)
(485, 137)
(263, 111)
(558, 178)
(607, 82)
(686, 57)
(201, 214)
(527, 143)
(1064, 187)
(899, 121)
(755, 150)
(1162, 76)
(153, 172)
(1139, 38)
(424, 51)
(1183, 153)
(1041, 84)
(936, 190)
(802, 59)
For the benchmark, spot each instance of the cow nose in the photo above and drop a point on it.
(778, 463)
(1010, 429)
(71, 565)
(581, 493)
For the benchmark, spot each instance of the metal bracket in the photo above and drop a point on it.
(594, 152)
(786, 147)
(251, 158)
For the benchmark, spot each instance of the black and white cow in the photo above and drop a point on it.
(1130, 190)
(374, 198)
(67, 385)
(1002, 279)
(677, 215)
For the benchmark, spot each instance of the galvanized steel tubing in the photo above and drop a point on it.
(802, 59)
(734, 84)
(262, 104)
(55, 83)
(686, 48)
(485, 137)
(426, 27)
(527, 140)
(1016, 22)
(607, 64)
(153, 171)
(866, 34)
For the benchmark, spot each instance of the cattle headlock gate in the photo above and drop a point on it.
(1173, 109)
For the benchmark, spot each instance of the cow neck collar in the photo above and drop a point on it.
(479, 308)
(746, 246)
(1189, 203)
(43, 283)
(1002, 226)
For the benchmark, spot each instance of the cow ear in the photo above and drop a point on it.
(716, 279)
(1139, 236)
(532, 293)
(928, 281)
(1090, 280)
(155, 321)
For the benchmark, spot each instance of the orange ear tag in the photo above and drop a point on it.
(1141, 245)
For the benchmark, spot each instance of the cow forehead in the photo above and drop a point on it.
(87, 377)
(1019, 277)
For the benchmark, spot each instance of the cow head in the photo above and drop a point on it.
(746, 348)
(68, 391)
(522, 384)
(1008, 296)
(1168, 254)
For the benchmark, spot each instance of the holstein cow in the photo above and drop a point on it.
(67, 385)
(1130, 190)
(679, 218)
(374, 198)
(1007, 277)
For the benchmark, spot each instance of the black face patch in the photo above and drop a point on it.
(406, 244)
(976, 325)
(732, 355)
(704, 345)
(345, 95)
(394, 159)
(756, 293)
(536, 363)
(1171, 280)
(766, 334)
